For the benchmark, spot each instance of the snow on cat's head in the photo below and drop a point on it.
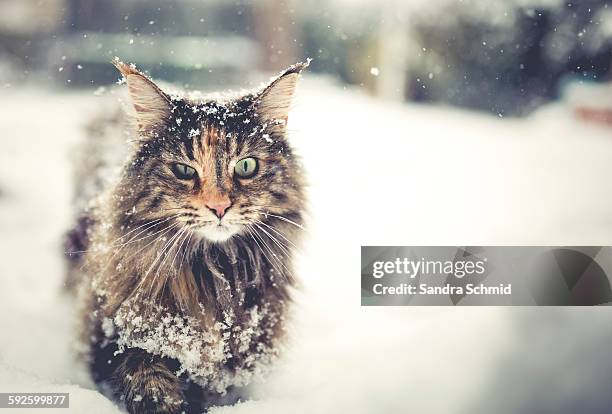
(212, 168)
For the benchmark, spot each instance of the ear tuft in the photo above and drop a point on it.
(124, 68)
(151, 105)
(275, 100)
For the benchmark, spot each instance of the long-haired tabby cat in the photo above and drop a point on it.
(185, 260)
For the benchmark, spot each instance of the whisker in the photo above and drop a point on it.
(165, 230)
(276, 258)
(277, 232)
(188, 233)
(147, 224)
(283, 247)
(156, 260)
(267, 213)
(273, 255)
(160, 267)
(249, 230)
(134, 240)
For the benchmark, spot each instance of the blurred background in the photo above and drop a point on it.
(419, 123)
(504, 57)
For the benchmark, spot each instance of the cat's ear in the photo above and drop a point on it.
(274, 101)
(151, 105)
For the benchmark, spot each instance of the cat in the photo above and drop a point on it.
(183, 265)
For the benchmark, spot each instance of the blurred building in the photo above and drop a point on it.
(506, 58)
(197, 42)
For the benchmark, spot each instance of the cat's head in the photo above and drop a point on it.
(216, 166)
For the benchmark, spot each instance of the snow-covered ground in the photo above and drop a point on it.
(380, 174)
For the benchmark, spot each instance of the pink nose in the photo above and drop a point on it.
(219, 207)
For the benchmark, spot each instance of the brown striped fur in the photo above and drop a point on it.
(157, 286)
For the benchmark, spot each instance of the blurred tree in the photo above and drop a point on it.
(510, 63)
(275, 31)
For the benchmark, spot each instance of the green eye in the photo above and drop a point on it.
(183, 172)
(246, 167)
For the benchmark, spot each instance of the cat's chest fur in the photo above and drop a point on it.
(221, 317)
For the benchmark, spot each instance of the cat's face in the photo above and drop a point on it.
(217, 168)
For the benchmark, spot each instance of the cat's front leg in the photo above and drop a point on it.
(146, 384)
